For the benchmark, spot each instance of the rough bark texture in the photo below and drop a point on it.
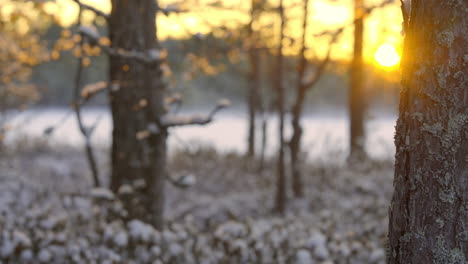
(280, 203)
(136, 96)
(295, 142)
(429, 209)
(253, 81)
(356, 104)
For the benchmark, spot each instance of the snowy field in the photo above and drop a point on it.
(325, 135)
(49, 213)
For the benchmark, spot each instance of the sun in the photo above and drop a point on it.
(386, 55)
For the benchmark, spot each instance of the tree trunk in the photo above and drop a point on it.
(295, 142)
(356, 103)
(429, 209)
(253, 81)
(280, 203)
(136, 99)
(263, 142)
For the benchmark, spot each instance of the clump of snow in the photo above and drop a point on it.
(303, 256)
(121, 239)
(230, 230)
(44, 256)
(317, 239)
(140, 231)
(102, 194)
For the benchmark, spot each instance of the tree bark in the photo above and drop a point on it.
(136, 98)
(253, 81)
(356, 103)
(280, 202)
(429, 208)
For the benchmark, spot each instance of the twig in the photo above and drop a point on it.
(174, 120)
(49, 130)
(321, 68)
(92, 9)
(93, 89)
(171, 9)
(77, 107)
(366, 11)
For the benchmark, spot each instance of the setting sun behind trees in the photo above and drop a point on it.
(382, 26)
(387, 56)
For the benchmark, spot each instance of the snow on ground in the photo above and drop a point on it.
(50, 214)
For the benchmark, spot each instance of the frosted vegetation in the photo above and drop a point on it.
(50, 213)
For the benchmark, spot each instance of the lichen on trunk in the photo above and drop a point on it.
(429, 209)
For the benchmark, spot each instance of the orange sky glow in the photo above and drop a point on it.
(383, 26)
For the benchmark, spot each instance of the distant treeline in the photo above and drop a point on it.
(204, 69)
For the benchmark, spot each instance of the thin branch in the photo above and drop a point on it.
(51, 129)
(172, 9)
(88, 92)
(93, 89)
(321, 68)
(366, 11)
(174, 101)
(174, 120)
(92, 9)
(86, 133)
(151, 56)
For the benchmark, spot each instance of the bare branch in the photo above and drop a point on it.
(172, 9)
(174, 120)
(173, 100)
(366, 11)
(321, 68)
(149, 57)
(91, 90)
(92, 9)
(183, 181)
(77, 107)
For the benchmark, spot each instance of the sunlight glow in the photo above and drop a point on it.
(382, 26)
(386, 55)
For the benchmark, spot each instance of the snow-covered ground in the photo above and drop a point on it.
(50, 214)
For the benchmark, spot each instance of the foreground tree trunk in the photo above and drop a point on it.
(280, 202)
(356, 103)
(429, 209)
(136, 97)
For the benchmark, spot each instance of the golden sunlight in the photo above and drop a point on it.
(382, 26)
(386, 55)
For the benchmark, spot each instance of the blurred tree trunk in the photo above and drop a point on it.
(356, 92)
(429, 209)
(265, 105)
(136, 99)
(295, 142)
(280, 202)
(253, 79)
